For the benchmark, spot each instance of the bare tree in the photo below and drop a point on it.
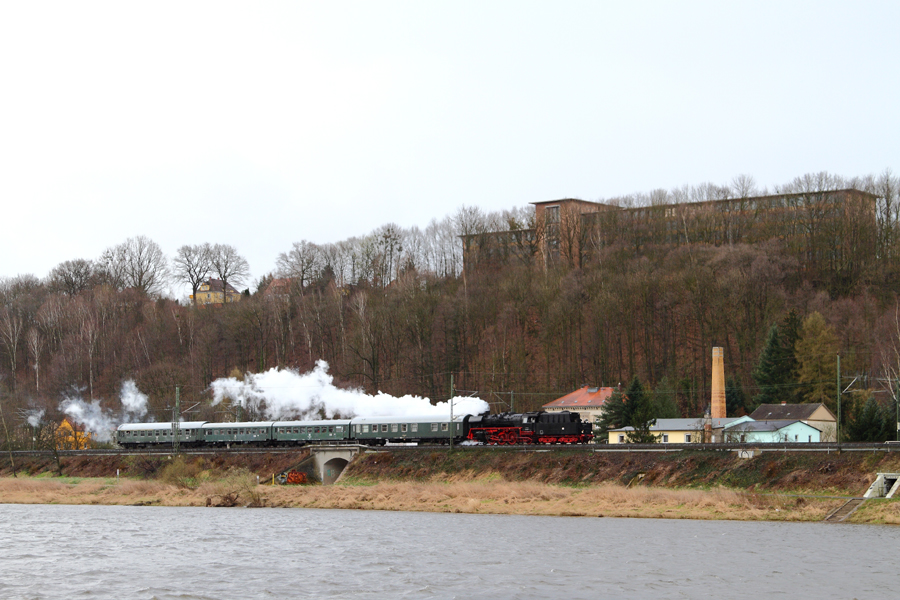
(12, 322)
(192, 265)
(302, 262)
(35, 342)
(72, 276)
(230, 266)
(138, 263)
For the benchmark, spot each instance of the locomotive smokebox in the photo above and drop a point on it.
(717, 404)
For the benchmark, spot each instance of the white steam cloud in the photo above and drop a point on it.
(287, 394)
(34, 417)
(103, 423)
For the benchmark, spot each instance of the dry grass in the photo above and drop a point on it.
(487, 496)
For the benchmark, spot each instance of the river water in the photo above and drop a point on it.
(119, 552)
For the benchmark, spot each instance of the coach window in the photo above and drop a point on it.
(384, 428)
(365, 428)
(404, 428)
(434, 426)
(394, 427)
(331, 429)
(444, 427)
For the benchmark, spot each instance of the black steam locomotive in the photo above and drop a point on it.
(528, 428)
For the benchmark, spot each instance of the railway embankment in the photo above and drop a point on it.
(800, 486)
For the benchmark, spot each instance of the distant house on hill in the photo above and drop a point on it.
(587, 402)
(816, 415)
(212, 291)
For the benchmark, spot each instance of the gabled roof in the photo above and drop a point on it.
(687, 424)
(215, 285)
(767, 425)
(782, 412)
(586, 397)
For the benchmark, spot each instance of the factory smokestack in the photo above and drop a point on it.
(717, 405)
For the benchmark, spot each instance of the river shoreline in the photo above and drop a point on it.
(771, 486)
(472, 497)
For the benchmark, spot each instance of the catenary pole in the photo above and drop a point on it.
(839, 401)
(451, 411)
(176, 418)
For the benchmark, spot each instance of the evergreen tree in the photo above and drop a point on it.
(735, 399)
(613, 415)
(872, 423)
(770, 373)
(817, 351)
(639, 413)
(633, 408)
(665, 406)
(790, 333)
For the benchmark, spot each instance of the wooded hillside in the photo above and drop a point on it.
(396, 311)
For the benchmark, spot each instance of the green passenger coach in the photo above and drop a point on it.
(304, 432)
(257, 433)
(383, 430)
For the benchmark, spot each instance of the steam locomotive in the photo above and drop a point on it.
(506, 428)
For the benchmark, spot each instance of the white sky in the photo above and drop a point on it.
(262, 124)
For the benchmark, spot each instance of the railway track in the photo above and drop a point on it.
(749, 449)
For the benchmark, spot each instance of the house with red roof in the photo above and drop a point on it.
(587, 402)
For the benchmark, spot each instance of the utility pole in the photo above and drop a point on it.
(452, 391)
(839, 401)
(176, 416)
(897, 401)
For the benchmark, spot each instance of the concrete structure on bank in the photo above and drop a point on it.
(332, 460)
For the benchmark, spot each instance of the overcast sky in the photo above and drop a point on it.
(261, 124)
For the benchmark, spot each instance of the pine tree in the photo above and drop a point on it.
(633, 408)
(735, 399)
(664, 405)
(870, 424)
(817, 351)
(639, 413)
(790, 333)
(769, 373)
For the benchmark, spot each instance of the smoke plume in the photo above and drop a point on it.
(103, 423)
(34, 417)
(286, 394)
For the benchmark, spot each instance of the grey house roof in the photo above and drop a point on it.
(762, 425)
(781, 412)
(683, 424)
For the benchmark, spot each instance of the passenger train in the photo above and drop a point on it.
(502, 429)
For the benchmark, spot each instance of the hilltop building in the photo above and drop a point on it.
(213, 292)
(829, 230)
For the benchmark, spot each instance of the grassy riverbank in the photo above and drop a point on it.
(683, 485)
(487, 497)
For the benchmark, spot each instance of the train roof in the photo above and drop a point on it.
(210, 425)
(311, 423)
(160, 425)
(409, 419)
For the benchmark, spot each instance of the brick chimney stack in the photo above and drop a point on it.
(717, 404)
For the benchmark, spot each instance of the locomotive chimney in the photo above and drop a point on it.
(717, 405)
